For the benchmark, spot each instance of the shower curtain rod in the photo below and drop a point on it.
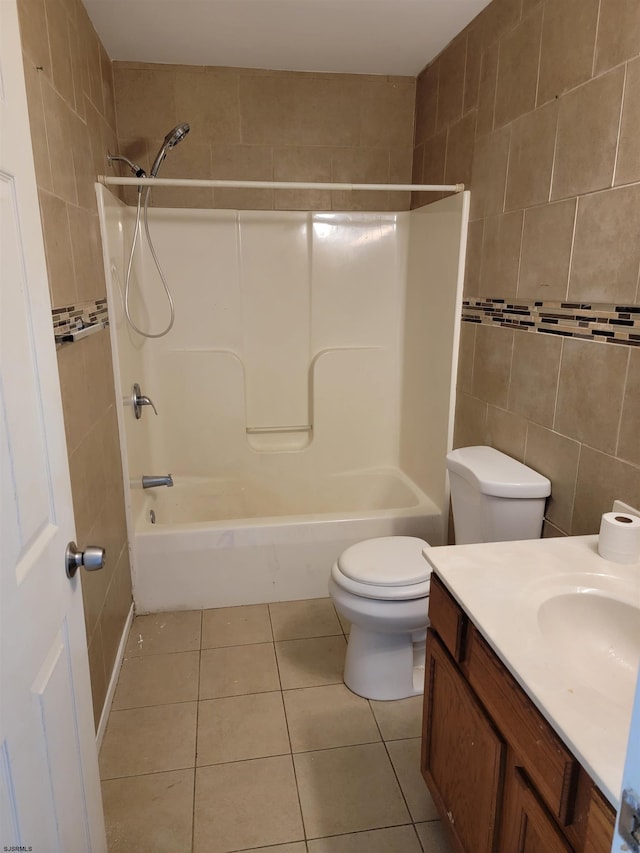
(278, 185)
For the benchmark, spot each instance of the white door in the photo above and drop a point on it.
(49, 785)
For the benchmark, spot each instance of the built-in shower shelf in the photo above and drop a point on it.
(74, 335)
(275, 429)
(73, 322)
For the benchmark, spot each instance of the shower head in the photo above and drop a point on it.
(176, 135)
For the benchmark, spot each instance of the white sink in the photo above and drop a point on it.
(596, 635)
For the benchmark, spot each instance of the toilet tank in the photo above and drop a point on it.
(495, 498)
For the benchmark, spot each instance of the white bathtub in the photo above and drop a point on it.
(220, 542)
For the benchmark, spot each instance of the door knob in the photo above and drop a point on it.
(92, 558)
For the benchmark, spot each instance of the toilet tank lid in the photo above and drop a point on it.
(495, 473)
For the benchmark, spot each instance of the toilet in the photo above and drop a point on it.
(382, 585)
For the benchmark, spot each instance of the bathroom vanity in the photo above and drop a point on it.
(530, 669)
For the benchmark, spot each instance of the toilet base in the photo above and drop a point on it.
(385, 666)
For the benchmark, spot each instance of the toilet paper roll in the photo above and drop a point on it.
(619, 538)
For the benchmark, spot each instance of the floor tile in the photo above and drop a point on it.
(236, 626)
(348, 789)
(329, 716)
(296, 847)
(310, 663)
(294, 620)
(149, 814)
(159, 633)
(405, 757)
(245, 805)
(157, 680)
(241, 727)
(433, 838)
(236, 670)
(149, 740)
(400, 718)
(397, 839)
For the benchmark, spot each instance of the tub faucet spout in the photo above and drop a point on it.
(150, 481)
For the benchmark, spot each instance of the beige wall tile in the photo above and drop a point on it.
(33, 33)
(606, 254)
(518, 69)
(115, 611)
(145, 103)
(492, 364)
(568, 44)
(299, 109)
(246, 163)
(60, 44)
(556, 457)
(498, 18)
(473, 262)
(533, 138)
(587, 136)
(190, 159)
(550, 531)
(91, 44)
(359, 165)
(426, 103)
(38, 127)
(82, 162)
(534, 376)
(460, 144)
(546, 251)
(590, 392)
(628, 162)
(489, 176)
(472, 69)
(296, 163)
(501, 254)
(79, 67)
(618, 33)
(601, 480)
(466, 352)
(97, 675)
(209, 101)
(387, 111)
(470, 421)
(487, 89)
(451, 83)
(58, 116)
(57, 242)
(506, 432)
(629, 439)
(433, 165)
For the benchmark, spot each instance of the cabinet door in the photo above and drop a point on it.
(462, 755)
(528, 827)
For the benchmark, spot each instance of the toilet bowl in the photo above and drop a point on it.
(381, 586)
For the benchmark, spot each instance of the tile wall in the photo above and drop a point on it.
(536, 107)
(269, 125)
(72, 115)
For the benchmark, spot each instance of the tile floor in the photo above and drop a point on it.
(231, 730)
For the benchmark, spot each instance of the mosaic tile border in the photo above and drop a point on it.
(72, 319)
(612, 323)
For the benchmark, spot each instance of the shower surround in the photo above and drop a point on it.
(304, 394)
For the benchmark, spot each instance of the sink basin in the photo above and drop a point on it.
(595, 634)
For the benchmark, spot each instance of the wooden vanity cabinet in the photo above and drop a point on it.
(501, 778)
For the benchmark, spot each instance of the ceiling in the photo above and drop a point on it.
(342, 36)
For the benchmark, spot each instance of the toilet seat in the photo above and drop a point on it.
(386, 568)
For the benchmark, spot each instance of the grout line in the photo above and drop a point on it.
(617, 151)
(195, 757)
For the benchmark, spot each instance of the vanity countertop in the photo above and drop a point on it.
(566, 624)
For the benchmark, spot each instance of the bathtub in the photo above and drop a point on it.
(224, 542)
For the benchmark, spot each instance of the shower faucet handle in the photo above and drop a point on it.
(139, 400)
